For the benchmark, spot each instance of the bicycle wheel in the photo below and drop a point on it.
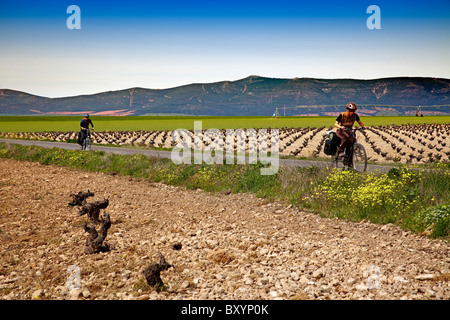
(85, 144)
(88, 144)
(359, 158)
(336, 162)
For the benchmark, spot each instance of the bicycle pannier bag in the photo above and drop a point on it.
(334, 137)
(79, 139)
(330, 147)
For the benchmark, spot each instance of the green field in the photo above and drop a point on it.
(71, 123)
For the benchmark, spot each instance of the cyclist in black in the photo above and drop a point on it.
(84, 126)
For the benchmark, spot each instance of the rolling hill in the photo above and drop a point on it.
(251, 96)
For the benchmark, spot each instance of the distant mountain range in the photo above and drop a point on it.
(251, 96)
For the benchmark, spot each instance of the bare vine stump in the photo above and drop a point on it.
(93, 209)
(94, 243)
(153, 273)
(79, 199)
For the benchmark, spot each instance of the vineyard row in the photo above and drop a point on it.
(420, 143)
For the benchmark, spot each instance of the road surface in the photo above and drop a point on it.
(167, 154)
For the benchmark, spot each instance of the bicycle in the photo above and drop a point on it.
(355, 155)
(86, 144)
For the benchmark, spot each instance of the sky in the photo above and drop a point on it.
(164, 44)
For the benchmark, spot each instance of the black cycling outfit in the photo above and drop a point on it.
(85, 125)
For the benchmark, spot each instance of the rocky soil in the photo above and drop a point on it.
(222, 246)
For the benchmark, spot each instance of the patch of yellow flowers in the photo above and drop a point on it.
(369, 191)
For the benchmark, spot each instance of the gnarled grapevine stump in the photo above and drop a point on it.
(79, 199)
(153, 272)
(95, 241)
(93, 209)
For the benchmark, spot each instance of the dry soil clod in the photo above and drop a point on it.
(177, 246)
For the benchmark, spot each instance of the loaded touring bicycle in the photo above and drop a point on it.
(354, 155)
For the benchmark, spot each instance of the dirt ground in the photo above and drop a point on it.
(222, 246)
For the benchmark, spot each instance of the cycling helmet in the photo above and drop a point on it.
(86, 115)
(351, 106)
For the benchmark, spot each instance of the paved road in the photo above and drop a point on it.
(167, 154)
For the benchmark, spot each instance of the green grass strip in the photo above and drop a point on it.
(147, 123)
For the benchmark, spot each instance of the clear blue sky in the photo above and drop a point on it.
(123, 44)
